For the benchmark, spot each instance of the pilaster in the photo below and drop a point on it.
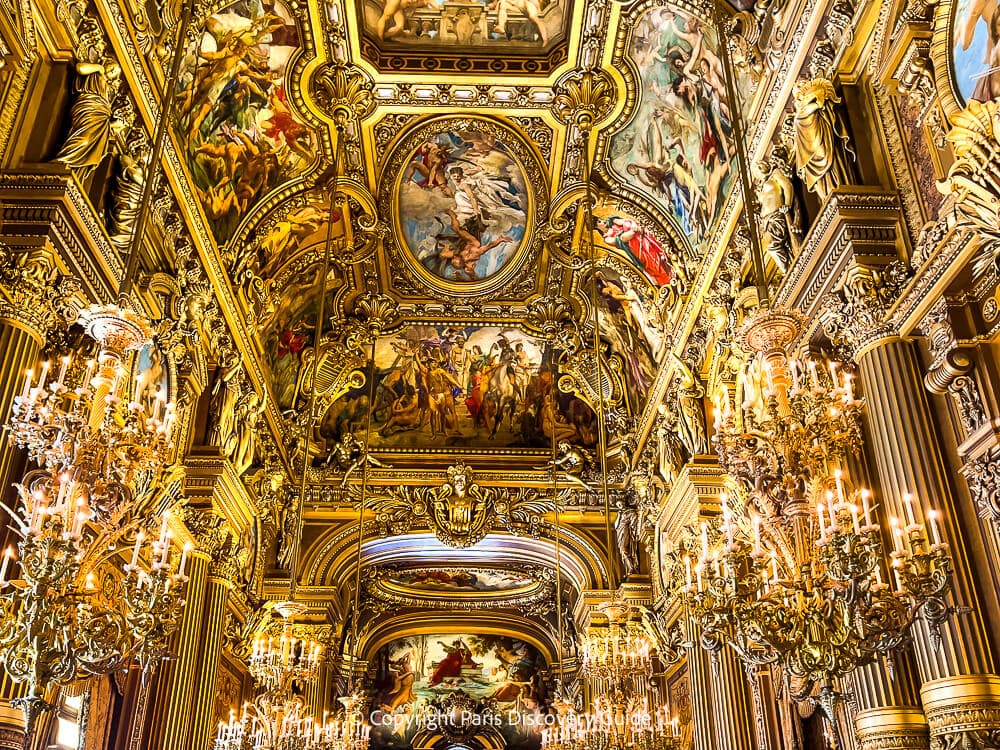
(217, 590)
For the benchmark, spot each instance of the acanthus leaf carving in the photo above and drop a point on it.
(855, 316)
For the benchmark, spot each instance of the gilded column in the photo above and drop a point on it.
(700, 675)
(732, 708)
(213, 618)
(960, 695)
(180, 677)
(30, 306)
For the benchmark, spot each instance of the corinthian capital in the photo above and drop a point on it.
(34, 293)
(855, 315)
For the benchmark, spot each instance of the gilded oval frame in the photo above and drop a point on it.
(536, 191)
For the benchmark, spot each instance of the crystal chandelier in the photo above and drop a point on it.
(818, 607)
(287, 658)
(616, 646)
(278, 719)
(101, 456)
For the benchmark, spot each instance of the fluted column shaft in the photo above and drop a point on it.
(181, 675)
(905, 446)
(732, 705)
(700, 675)
(203, 705)
(908, 459)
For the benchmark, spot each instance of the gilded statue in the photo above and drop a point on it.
(670, 453)
(571, 461)
(691, 410)
(222, 407)
(92, 119)
(350, 454)
(822, 145)
(780, 219)
(627, 535)
(126, 197)
(244, 438)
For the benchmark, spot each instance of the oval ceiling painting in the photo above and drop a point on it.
(463, 205)
(976, 48)
(460, 580)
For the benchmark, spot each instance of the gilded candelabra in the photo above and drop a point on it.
(818, 613)
(101, 456)
(616, 722)
(616, 646)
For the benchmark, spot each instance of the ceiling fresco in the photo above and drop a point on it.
(477, 323)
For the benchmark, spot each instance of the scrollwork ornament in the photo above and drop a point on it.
(973, 180)
(983, 477)
(34, 292)
(344, 92)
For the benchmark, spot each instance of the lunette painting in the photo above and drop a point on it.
(414, 674)
(678, 145)
(463, 387)
(241, 136)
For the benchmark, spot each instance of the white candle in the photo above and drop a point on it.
(932, 516)
(897, 536)
(135, 550)
(62, 370)
(756, 534)
(184, 556)
(830, 505)
(908, 505)
(44, 374)
(865, 507)
(90, 373)
(821, 514)
(854, 518)
(833, 374)
(813, 375)
(697, 572)
(7, 555)
(163, 526)
(28, 375)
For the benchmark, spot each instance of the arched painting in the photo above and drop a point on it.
(976, 49)
(462, 205)
(242, 139)
(678, 146)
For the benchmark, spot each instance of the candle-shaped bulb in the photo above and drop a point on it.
(865, 507)
(934, 515)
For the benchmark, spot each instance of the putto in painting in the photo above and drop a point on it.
(976, 49)
(462, 205)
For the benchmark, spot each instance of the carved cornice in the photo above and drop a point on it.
(34, 293)
(211, 482)
(47, 208)
(857, 224)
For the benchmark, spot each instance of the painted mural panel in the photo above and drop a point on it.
(678, 145)
(462, 205)
(241, 137)
(527, 25)
(463, 387)
(625, 238)
(460, 579)
(976, 49)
